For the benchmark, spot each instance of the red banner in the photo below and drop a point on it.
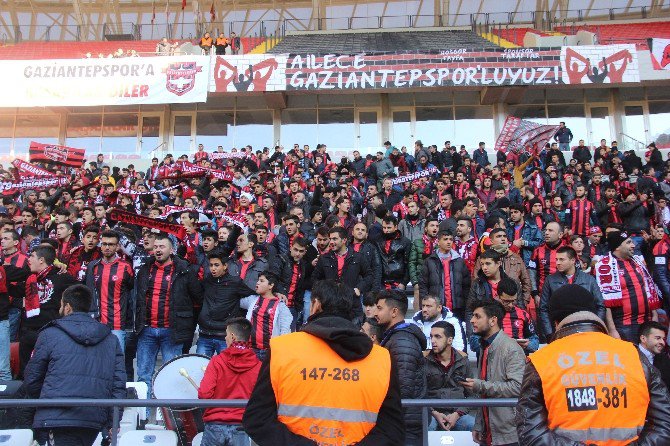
(147, 222)
(28, 170)
(9, 188)
(55, 154)
(518, 134)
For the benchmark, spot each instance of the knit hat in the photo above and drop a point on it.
(535, 201)
(570, 299)
(615, 239)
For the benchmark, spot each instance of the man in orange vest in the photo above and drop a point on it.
(326, 384)
(587, 387)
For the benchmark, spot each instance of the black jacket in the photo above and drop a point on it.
(635, 216)
(284, 272)
(221, 301)
(260, 417)
(51, 289)
(532, 416)
(395, 263)
(443, 383)
(370, 252)
(185, 295)
(431, 280)
(75, 357)
(406, 343)
(11, 274)
(557, 280)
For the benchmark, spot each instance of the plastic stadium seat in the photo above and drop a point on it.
(142, 391)
(197, 440)
(636, 33)
(156, 438)
(16, 437)
(439, 438)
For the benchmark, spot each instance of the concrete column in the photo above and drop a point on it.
(386, 118)
(618, 114)
(276, 126)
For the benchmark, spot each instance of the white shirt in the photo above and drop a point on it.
(647, 353)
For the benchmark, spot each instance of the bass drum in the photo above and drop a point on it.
(177, 380)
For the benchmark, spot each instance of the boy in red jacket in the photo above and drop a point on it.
(231, 374)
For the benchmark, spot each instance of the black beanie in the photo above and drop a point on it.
(570, 299)
(535, 201)
(615, 239)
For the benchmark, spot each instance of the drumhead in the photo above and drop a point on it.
(169, 383)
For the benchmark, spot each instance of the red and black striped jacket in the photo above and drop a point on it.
(111, 283)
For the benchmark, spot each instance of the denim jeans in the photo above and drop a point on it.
(14, 322)
(564, 146)
(121, 336)
(149, 341)
(307, 305)
(5, 371)
(639, 241)
(209, 346)
(218, 434)
(464, 423)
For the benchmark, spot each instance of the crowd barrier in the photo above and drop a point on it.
(118, 405)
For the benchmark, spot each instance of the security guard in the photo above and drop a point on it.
(587, 387)
(327, 384)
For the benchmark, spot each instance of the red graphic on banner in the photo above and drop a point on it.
(180, 77)
(257, 75)
(612, 67)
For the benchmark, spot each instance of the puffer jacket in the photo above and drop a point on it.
(410, 231)
(504, 372)
(221, 301)
(441, 383)
(185, 297)
(75, 357)
(431, 280)
(258, 265)
(557, 280)
(416, 259)
(395, 262)
(406, 343)
(370, 252)
(532, 238)
(531, 412)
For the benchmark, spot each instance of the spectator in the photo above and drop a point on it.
(74, 357)
(581, 152)
(446, 368)
(371, 327)
(405, 343)
(220, 45)
(290, 377)
(517, 323)
(564, 137)
(206, 44)
(480, 156)
(523, 233)
(394, 252)
(235, 44)
(500, 371)
(231, 374)
(431, 312)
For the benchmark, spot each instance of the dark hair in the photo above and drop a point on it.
(457, 206)
(28, 230)
(467, 220)
(323, 231)
(62, 211)
(369, 299)
(301, 241)
(292, 217)
(164, 236)
(497, 230)
(67, 224)
(241, 327)
(209, 233)
(491, 309)
(647, 326)
(393, 299)
(111, 234)
(47, 252)
(79, 297)
(271, 278)
(390, 219)
(490, 254)
(31, 211)
(445, 233)
(492, 220)
(339, 230)
(516, 207)
(569, 250)
(216, 254)
(508, 286)
(15, 235)
(335, 297)
(447, 327)
(377, 329)
(432, 296)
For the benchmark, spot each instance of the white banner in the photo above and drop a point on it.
(599, 64)
(249, 72)
(660, 49)
(131, 80)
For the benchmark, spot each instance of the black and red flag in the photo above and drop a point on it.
(519, 133)
(55, 154)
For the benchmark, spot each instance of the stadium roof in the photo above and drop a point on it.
(60, 17)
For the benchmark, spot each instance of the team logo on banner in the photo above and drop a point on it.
(58, 154)
(180, 77)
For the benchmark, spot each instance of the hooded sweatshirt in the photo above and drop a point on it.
(345, 339)
(231, 374)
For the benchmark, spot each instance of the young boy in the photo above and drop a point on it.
(517, 323)
(232, 374)
(268, 314)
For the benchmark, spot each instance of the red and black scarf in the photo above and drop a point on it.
(32, 301)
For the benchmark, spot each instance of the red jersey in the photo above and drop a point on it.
(578, 215)
(543, 260)
(113, 284)
(262, 322)
(158, 295)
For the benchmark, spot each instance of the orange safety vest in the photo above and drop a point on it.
(323, 397)
(206, 41)
(594, 388)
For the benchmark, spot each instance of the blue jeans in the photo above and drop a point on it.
(210, 346)
(149, 341)
(121, 336)
(217, 434)
(464, 423)
(307, 305)
(639, 241)
(564, 146)
(14, 322)
(5, 371)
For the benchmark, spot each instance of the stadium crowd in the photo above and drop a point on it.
(171, 254)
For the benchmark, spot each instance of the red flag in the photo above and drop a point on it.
(183, 4)
(519, 133)
(55, 154)
(212, 13)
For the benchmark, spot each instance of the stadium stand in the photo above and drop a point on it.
(636, 33)
(380, 42)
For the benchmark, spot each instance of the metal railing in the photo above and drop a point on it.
(117, 405)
